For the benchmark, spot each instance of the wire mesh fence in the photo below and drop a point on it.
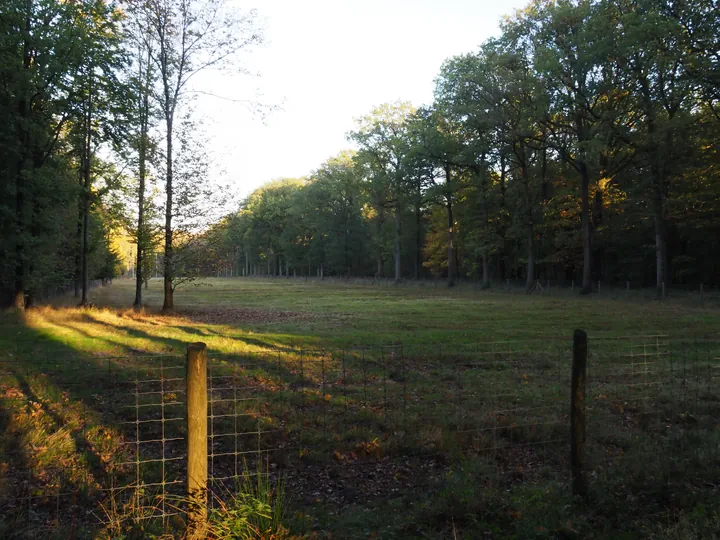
(102, 442)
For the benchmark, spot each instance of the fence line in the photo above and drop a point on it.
(649, 400)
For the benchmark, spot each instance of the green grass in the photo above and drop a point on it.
(460, 428)
(337, 314)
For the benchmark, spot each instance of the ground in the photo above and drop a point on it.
(458, 426)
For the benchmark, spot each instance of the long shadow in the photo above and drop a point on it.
(16, 470)
(97, 395)
(173, 344)
(301, 403)
(82, 445)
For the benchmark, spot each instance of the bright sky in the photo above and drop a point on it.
(325, 63)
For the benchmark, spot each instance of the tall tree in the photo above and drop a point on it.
(650, 44)
(566, 44)
(439, 138)
(47, 49)
(144, 76)
(189, 36)
(382, 138)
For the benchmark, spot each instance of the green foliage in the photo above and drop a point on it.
(255, 510)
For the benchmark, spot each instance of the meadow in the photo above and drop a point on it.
(385, 411)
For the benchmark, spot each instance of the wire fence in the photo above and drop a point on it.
(102, 442)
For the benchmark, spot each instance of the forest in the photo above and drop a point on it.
(579, 145)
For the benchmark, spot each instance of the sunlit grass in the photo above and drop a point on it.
(62, 430)
(344, 315)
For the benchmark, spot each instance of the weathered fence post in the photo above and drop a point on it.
(197, 430)
(577, 413)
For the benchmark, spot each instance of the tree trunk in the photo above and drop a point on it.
(378, 231)
(530, 232)
(142, 156)
(530, 282)
(140, 234)
(78, 245)
(418, 242)
(86, 198)
(485, 271)
(168, 301)
(660, 242)
(24, 143)
(398, 231)
(452, 267)
(585, 209)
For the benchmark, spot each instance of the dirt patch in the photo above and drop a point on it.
(235, 316)
(339, 485)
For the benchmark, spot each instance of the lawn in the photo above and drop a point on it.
(392, 412)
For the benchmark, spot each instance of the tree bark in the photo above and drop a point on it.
(485, 271)
(142, 156)
(378, 231)
(530, 281)
(168, 301)
(86, 197)
(586, 232)
(660, 242)
(530, 230)
(418, 241)
(78, 245)
(20, 186)
(452, 267)
(398, 231)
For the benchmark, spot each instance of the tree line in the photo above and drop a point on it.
(98, 139)
(581, 144)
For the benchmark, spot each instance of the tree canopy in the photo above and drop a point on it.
(580, 144)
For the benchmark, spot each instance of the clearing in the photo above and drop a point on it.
(391, 412)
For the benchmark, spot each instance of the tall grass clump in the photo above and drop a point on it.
(255, 510)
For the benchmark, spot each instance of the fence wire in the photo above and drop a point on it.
(102, 442)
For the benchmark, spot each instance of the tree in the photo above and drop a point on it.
(383, 142)
(438, 139)
(142, 45)
(49, 49)
(649, 60)
(565, 41)
(189, 37)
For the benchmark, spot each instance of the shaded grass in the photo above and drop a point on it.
(477, 396)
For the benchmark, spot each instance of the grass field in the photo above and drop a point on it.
(457, 427)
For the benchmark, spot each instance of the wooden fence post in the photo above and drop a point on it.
(197, 430)
(577, 413)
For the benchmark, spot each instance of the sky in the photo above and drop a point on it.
(324, 63)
